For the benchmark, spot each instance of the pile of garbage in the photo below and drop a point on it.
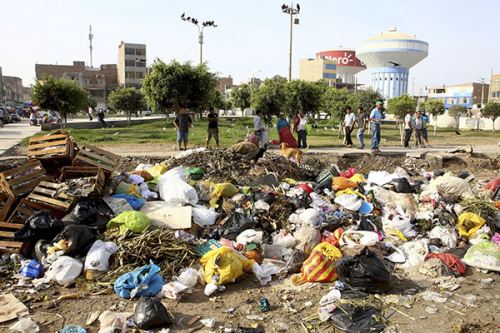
(207, 218)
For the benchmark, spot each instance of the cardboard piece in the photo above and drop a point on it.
(11, 308)
(164, 215)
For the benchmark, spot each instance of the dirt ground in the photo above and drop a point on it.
(291, 308)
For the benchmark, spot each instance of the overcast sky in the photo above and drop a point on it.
(252, 36)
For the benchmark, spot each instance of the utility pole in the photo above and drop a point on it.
(482, 100)
(91, 37)
(200, 30)
(290, 10)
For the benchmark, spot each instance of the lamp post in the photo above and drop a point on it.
(201, 26)
(291, 10)
(481, 79)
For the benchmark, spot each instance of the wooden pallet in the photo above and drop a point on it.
(97, 175)
(7, 201)
(24, 210)
(21, 180)
(56, 145)
(7, 242)
(93, 156)
(48, 194)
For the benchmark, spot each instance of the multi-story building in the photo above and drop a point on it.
(99, 82)
(494, 95)
(131, 64)
(470, 94)
(27, 94)
(1, 88)
(318, 69)
(13, 91)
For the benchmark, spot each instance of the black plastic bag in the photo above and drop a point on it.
(258, 329)
(236, 224)
(324, 179)
(268, 197)
(300, 201)
(79, 239)
(365, 271)
(353, 319)
(41, 225)
(93, 213)
(151, 313)
(401, 185)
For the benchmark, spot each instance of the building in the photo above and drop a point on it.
(13, 92)
(224, 85)
(1, 88)
(27, 95)
(389, 56)
(347, 64)
(131, 64)
(318, 69)
(98, 81)
(494, 91)
(471, 94)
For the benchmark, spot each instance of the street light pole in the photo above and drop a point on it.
(482, 100)
(200, 30)
(290, 10)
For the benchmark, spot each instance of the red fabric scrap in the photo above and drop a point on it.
(449, 260)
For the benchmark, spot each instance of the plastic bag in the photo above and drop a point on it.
(451, 261)
(132, 220)
(324, 179)
(134, 201)
(398, 221)
(73, 329)
(111, 322)
(174, 189)
(157, 170)
(250, 236)
(348, 173)
(484, 255)
(31, 269)
(365, 271)
(237, 223)
(447, 236)
(194, 173)
(390, 201)
(360, 319)
(146, 176)
(352, 238)
(222, 190)
(98, 256)
(25, 325)
(308, 216)
(151, 313)
(341, 183)
(320, 266)
(144, 281)
(449, 185)
(77, 239)
(94, 213)
(126, 188)
(224, 265)
(414, 252)
(40, 225)
(64, 270)
(284, 240)
(307, 237)
(203, 216)
(349, 201)
(469, 224)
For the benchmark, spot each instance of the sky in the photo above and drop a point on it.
(252, 36)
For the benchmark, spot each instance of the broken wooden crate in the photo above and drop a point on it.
(24, 210)
(93, 156)
(7, 201)
(23, 179)
(7, 242)
(53, 195)
(95, 179)
(51, 146)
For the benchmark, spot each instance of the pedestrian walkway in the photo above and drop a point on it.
(13, 134)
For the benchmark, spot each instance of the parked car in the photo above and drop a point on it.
(14, 117)
(147, 113)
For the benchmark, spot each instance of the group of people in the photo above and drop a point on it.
(100, 116)
(416, 122)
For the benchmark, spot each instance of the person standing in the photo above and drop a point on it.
(183, 122)
(361, 127)
(100, 118)
(2, 114)
(282, 122)
(90, 112)
(33, 121)
(349, 120)
(419, 126)
(376, 117)
(300, 127)
(213, 126)
(258, 127)
(408, 127)
(425, 120)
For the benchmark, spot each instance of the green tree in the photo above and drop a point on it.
(302, 96)
(456, 111)
(367, 99)
(129, 100)
(241, 96)
(399, 107)
(434, 107)
(270, 97)
(334, 101)
(64, 96)
(92, 102)
(174, 85)
(492, 111)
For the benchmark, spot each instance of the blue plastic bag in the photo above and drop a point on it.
(73, 329)
(144, 281)
(31, 269)
(132, 200)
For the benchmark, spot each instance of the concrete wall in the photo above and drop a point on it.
(95, 124)
(467, 123)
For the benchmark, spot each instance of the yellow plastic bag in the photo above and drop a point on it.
(320, 266)
(225, 263)
(469, 223)
(157, 170)
(342, 183)
(222, 190)
(358, 178)
(351, 191)
(130, 189)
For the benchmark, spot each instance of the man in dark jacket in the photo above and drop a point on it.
(183, 122)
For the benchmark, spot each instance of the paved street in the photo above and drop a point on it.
(12, 134)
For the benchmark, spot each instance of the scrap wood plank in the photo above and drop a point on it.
(7, 232)
(58, 145)
(95, 173)
(21, 180)
(96, 157)
(24, 210)
(48, 193)
(7, 201)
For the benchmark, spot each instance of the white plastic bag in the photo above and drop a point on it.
(174, 190)
(448, 236)
(305, 216)
(284, 240)
(484, 255)
(25, 325)
(308, 237)
(349, 201)
(414, 252)
(351, 238)
(250, 236)
(263, 272)
(64, 270)
(399, 221)
(204, 216)
(98, 255)
(111, 322)
(262, 205)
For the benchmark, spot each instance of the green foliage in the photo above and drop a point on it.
(334, 101)
(303, 96)
(434, 107)
(456, 111)
(129, 100)
(92, 102)
(366, 99)
(271, 97)
(491, 110)
(64, 96)
(241, 96)
(217, 100)
(399, 106)
(174, 85)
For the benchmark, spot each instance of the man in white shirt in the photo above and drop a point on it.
(301, 129)
(257, 126)
(408, 127)
(349, 120)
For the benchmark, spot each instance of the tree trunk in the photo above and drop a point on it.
(493, 119)
(65, 121)
(435, 123)
(401, 132)
(457, 120)
(129, 117)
